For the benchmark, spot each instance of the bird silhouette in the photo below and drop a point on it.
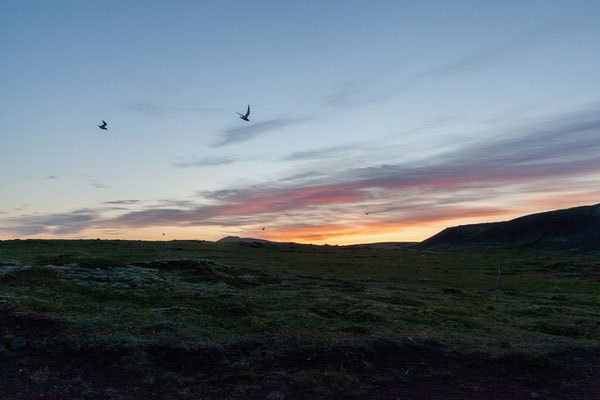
(367, 212)
(263, 228)
(103, 126)
(245, 117)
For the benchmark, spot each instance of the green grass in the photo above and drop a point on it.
(229, 293)
(332, 292)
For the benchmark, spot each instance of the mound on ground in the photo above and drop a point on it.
(574, 229)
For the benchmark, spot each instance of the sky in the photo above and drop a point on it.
(369, 122)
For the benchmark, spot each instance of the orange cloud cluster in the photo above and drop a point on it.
(269, 201)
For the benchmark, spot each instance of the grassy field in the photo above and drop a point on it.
(116, 319)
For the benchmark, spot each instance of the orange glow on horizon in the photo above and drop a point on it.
(363, 233)
(350, 230)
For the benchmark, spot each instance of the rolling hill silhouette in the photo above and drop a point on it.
(575, 229)
(235, 239)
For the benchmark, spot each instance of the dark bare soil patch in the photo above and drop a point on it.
(32, 327)
(55, 365)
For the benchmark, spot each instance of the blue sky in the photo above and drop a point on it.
(427, 115)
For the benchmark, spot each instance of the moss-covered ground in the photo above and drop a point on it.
(116, 319)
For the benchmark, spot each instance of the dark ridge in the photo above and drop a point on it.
(575, 229)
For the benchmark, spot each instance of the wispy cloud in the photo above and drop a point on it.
(57, 223)
(247, 132)
(207, 161)
(92, 180)
(321, 153)
(122, 202)
(21, 207)
(386, 83)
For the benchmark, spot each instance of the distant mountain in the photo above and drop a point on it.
(573, 229)
(231, 239)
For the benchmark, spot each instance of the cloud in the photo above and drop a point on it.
(122, 202)
(322, 153)
(173, 203)
(57, 223)
(555, 149)
(20, 208)
(208, 161)
(157, 217)
(563, 200)
(248, 132)
(93, 181)
(540, 159)
(384, 84)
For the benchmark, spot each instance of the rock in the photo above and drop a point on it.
(17, 343)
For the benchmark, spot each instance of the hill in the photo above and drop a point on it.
(575, 229)
(234, 239)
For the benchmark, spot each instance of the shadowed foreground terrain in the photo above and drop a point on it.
(116, 320)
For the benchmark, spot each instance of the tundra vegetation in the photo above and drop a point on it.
(93, 319)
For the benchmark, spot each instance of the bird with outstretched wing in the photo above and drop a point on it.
(245, 117)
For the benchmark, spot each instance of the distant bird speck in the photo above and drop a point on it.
(245, 117)
(103, 126)
(367, 212)
(263, 228)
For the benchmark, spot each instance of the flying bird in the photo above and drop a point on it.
(103, 126)
(263, 228)
(367, 212)
(245, 117)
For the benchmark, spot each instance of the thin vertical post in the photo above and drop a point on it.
(499, 276)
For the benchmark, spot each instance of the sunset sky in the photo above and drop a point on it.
(425, 114)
